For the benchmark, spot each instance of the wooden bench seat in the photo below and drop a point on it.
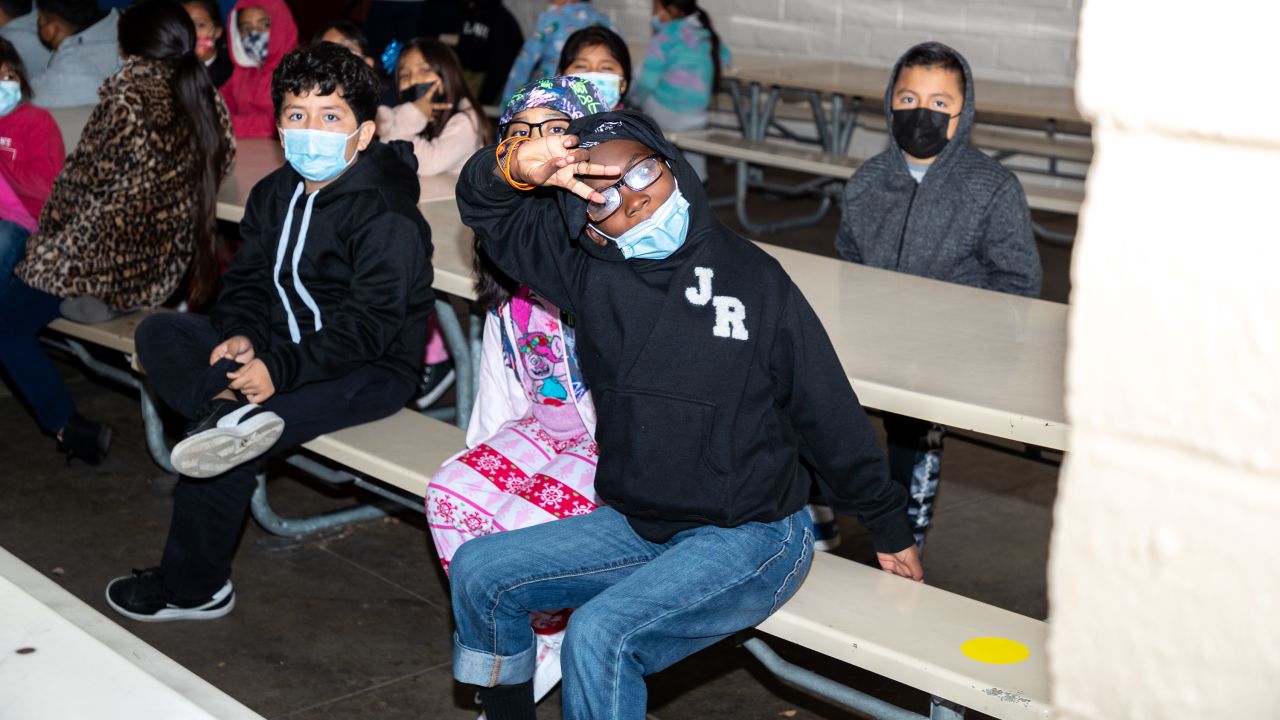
(913, 633)
(769, 153)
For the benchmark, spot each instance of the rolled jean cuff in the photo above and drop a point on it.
(476, 667)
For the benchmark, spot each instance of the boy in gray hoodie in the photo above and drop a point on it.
(935, 206)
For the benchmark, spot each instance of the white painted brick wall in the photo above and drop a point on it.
(1030, 41)
(1163, 573)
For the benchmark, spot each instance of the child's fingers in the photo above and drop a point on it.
(591, 169)
(569, 141)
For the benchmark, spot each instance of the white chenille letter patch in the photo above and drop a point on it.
(731, 314)
(731, 318)
(701, 295)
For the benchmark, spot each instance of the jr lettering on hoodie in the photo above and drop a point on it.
(731, 314)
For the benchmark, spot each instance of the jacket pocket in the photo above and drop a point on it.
(655, 457)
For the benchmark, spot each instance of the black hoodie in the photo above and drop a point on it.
(714, 408)
(362, 290)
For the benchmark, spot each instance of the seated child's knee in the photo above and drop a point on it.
(476, 568)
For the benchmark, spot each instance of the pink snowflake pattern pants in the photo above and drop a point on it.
(520, 477)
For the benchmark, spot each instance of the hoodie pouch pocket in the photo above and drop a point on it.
(655, 459)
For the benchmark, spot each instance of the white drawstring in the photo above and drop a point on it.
(297, 255)
(294, 334)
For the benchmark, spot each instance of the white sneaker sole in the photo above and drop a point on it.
(169, 614)
(437, 392)
(217, 450)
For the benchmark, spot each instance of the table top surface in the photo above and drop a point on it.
(868, 81)
(81, 664)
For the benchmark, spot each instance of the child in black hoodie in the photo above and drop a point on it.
(716, 388)
(320, 324)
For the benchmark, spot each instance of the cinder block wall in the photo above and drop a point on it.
(1164, 571)
(1030, 41)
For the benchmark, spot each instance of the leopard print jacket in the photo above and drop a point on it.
(118, 224)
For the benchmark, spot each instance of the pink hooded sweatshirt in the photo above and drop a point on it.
(248, 92)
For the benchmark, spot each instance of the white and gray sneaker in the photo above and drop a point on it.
(143, 596)
(224, 434)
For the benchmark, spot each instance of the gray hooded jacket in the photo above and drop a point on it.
(967, 222)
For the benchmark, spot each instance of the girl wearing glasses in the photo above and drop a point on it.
(715, 386)
(532, 452)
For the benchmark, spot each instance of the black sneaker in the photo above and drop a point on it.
(436, 379)
(224, 434)
(143, 596)
(85, 439)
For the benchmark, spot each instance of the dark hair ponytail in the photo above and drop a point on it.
(691, 7)
(161, 30)
(493, 287)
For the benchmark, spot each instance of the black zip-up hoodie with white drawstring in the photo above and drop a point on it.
(719, 396)
(332, 281)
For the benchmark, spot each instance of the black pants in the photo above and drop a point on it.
(174, 349)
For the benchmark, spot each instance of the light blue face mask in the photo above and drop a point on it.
(608, 86)
(659, 235)
(317, 155)
(10, 96)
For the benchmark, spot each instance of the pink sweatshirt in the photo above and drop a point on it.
(448, 152)
(31, 155)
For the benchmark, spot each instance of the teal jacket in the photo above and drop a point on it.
(678, 71)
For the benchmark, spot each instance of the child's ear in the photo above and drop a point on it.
(367, 130)
(217, 34)
(596, 237)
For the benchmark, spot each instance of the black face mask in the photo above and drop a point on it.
(921, 132)
(414, 93)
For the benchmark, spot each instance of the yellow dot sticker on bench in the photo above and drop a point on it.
(995, 651)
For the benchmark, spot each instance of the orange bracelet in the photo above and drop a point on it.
(505, 152)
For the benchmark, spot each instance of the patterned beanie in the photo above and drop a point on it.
(570, 95)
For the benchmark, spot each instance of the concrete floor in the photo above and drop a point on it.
(356, 624)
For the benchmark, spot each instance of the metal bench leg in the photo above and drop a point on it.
(466, 363)
(940, 709)
(757, 229)
(825, 687)
(273, 523)
(151, 421)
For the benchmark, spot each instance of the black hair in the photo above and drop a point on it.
(935, 55)
(350, 31)
(324, 69)
(211, 9)
(592, 36)
(9, 56)
(79, 14)
(15, 8)
(493, 287)
(441, 58)
(161, 30)
(690, 7)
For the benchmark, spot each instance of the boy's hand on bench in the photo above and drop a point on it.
(253, 381)
(904, 562)
(552, 161)
(236, 348)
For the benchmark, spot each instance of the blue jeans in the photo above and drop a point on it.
(639, 606)
(13, 243)
(24, 311)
